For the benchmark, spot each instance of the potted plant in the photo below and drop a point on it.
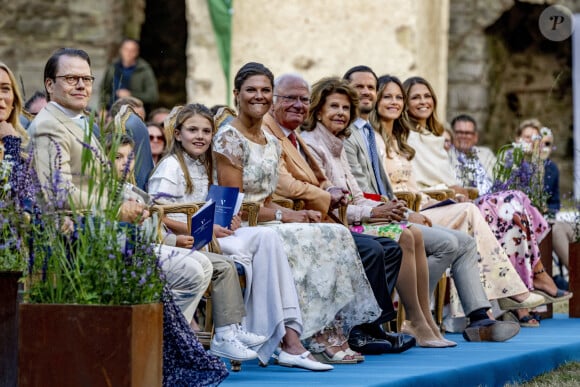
(92, 314)
(12, 264)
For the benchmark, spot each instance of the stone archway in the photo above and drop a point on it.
(502, 70)
(163, 45)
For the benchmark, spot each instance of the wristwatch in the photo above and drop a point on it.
(279, 215)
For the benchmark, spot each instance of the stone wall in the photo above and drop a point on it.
(33, 29)
(321, 38)
(502, 70)
(205, 81)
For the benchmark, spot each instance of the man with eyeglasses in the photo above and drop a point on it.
(62, 127)
(300, 177)
(466, 137)
(60, 134)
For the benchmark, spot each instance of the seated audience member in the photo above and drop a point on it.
(466, 137)
(230, 340)
(35, 103)
(562, 232)
(270, 298)
(58, 133)
(58, 141)
(223, 115)
(333, 109)
(126, 120)
(13, 137)
(158, 116)
(425, 138)
(333, 290)
(449, 138)
(301, 178)
(551, 172)
(157, 141)
(446, 247)
(135, 103)
(32, 107)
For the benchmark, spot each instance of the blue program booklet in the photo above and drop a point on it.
(202, 225)
(228, 201)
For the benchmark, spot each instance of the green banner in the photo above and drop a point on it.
(221, 19)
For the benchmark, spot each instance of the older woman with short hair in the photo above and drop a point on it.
(333, 290)
(333, 108)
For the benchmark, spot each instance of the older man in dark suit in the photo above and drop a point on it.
(301, 178)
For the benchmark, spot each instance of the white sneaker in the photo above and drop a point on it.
(231, 348)
(249, 339)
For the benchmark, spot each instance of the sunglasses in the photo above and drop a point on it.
(156, 138)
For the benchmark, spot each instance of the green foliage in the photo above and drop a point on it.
(86, 255)
(12, 254)
(519, 167)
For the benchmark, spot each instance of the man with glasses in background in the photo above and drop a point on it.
(466, 138)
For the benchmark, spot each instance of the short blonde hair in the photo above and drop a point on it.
(532, 122)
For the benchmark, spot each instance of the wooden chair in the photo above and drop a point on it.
(473, 193)
(250, 211)
(414, 202)
(440, 194)
(409, 197)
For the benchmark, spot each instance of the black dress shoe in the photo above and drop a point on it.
(366, 344)
(400, 342)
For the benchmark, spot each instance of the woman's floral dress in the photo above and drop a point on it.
(330, 280)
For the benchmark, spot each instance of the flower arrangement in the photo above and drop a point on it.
(74, 255)
(11, 231)
(520, 167)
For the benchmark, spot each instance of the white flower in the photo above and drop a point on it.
(546, 132)
(506, 211)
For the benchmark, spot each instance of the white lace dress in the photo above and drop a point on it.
(328, 273)
(270, 296)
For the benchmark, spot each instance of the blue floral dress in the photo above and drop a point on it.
(185, 362)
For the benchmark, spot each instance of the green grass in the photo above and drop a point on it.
(567, 375)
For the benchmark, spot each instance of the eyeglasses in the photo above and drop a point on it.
(462, 133)
(294, 98)
(156, 138)
(73, 80)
